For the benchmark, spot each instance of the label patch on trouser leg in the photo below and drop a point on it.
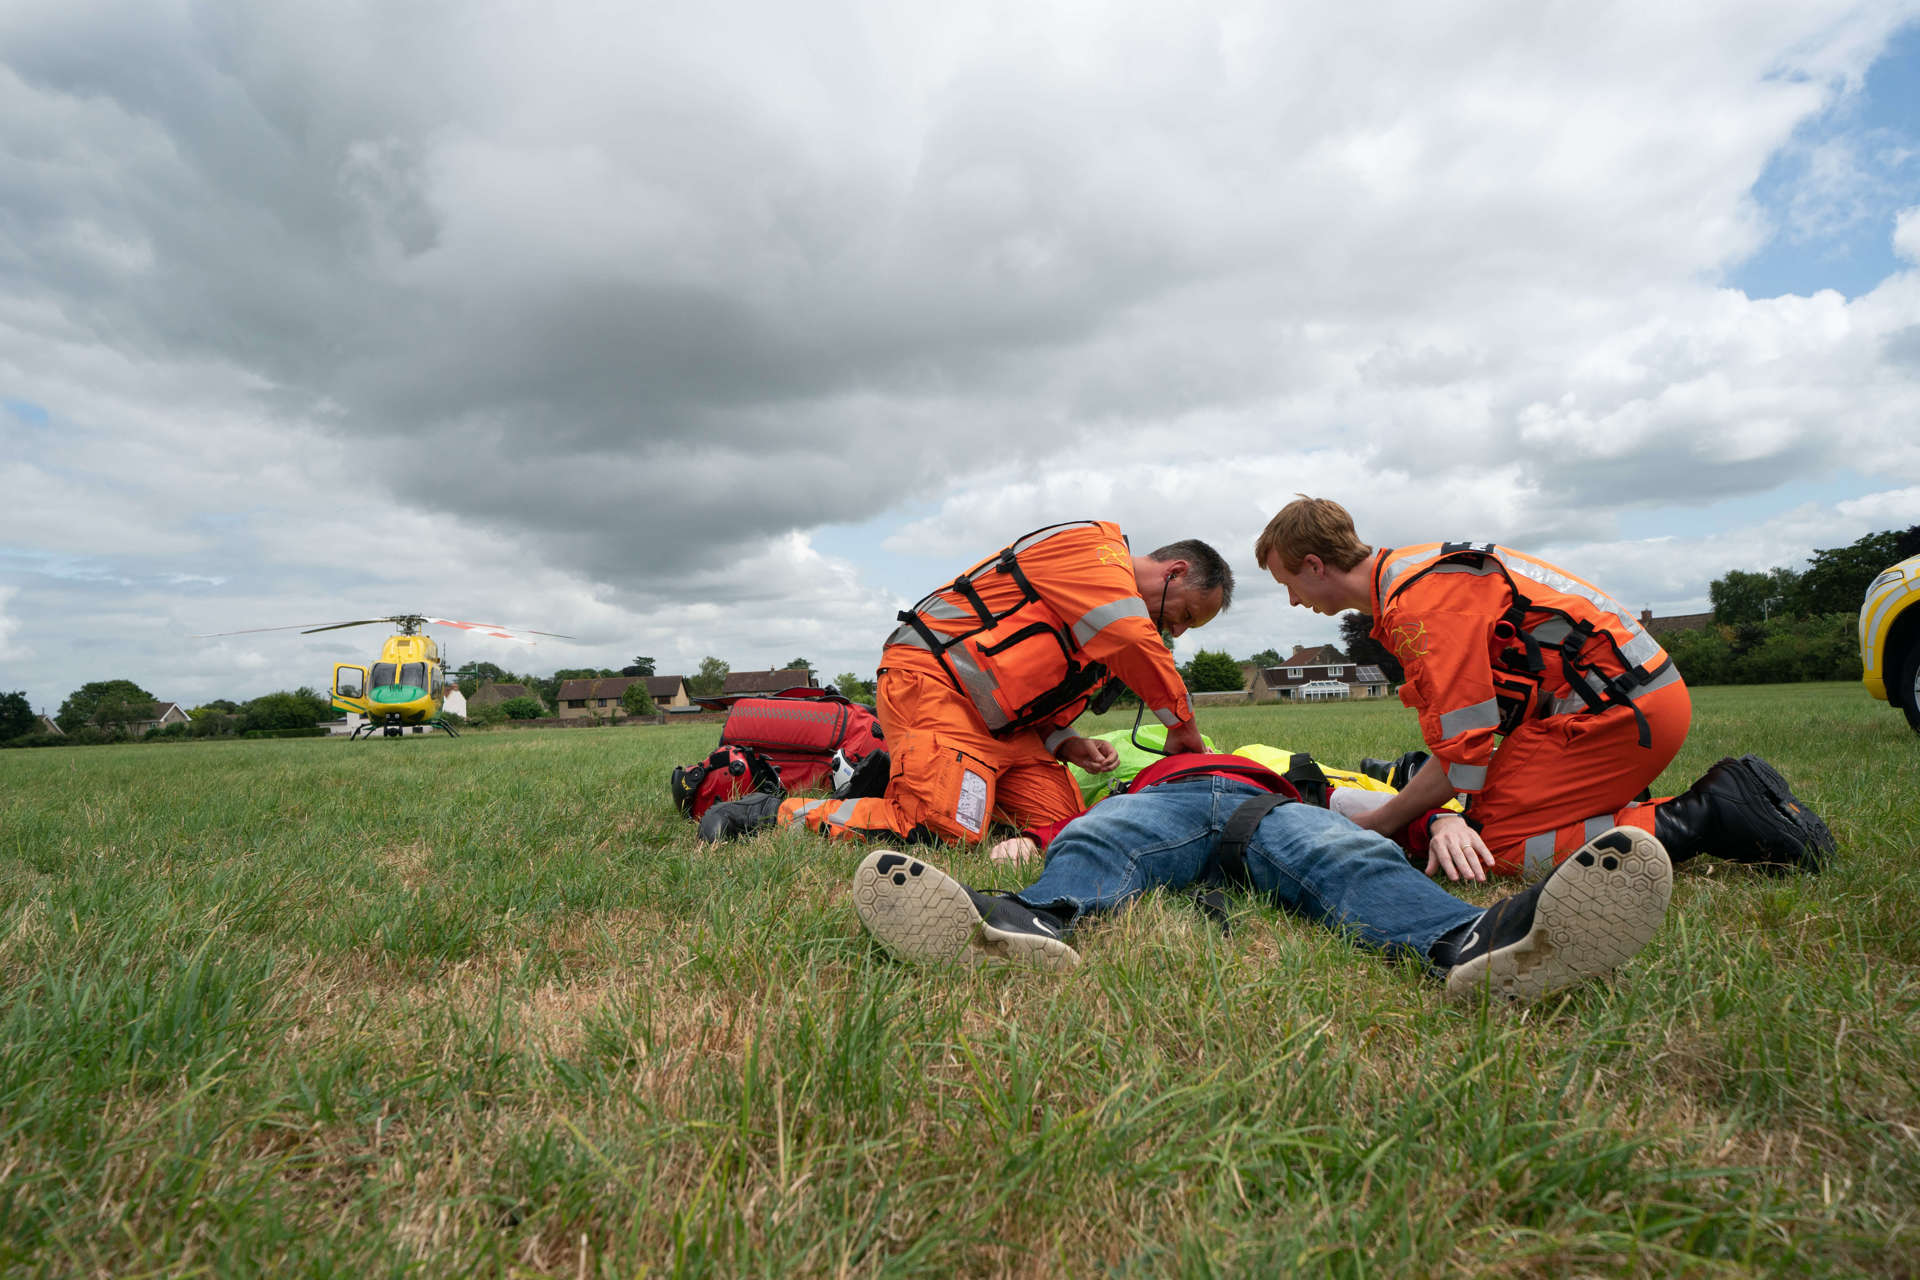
(971, 811)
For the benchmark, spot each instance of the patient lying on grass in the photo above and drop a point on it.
(1226, 820)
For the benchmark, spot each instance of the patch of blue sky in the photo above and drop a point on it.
(864, 544)
(25, 411)
(1831, 194)
(1755, 509)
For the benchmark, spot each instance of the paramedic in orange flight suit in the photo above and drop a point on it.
(979, 685)
(1587, 707)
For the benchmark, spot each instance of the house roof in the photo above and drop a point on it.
(161, 710)
(766, 681)
(1277, 677)
(604, 687)
(663, 686)
(1675, 622)
(1303, 656)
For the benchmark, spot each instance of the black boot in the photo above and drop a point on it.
(1743, 810)
(869, 778)
(1395, 773)
(753, 812)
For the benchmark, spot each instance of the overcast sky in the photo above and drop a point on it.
(731, 328)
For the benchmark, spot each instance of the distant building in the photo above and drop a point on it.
(740, 684)
(45, 724)
(455, 701)
(1316, 681)
(1318, 655)
(163, 714)
(768, 681)
(668, 691)
(1657, 627)
(599, 698)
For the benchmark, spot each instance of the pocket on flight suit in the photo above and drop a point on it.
(945, 789)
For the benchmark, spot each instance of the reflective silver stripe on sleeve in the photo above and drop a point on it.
(1058, 736)
(1165, 716)
(1641, 649)
(1394, 568)
(1538, 858)
(980, 687)
(843, 815)
(807, 807)
(1566, 706)
(904, 634)
(1467, 777)
(1481, 715)
(1477, 570)
(1670, 676)
(1640, 646)
(1095, 620)
(1596, 826)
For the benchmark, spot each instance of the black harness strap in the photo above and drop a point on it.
(1230, 855)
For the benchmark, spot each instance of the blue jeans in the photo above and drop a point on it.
(1311, 862)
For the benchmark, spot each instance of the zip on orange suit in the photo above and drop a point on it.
(982, 680)
(1500, 644)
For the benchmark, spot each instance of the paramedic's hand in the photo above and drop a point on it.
(1018, 849)
(1095, 755)
(1184, 736)
(1457, 849)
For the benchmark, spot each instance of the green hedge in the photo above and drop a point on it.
(312, 732)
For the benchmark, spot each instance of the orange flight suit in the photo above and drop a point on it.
(980, 685)
(1589, 709)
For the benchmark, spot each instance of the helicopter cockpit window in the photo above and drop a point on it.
(382, 675)
(414, 674)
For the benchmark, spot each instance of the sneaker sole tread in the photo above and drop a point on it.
(920, 913)
(1590, 919)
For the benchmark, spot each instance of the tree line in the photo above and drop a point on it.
(1781, 625)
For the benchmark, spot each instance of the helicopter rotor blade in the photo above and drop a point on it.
(519, 635)
(335, 626)
(298, 626)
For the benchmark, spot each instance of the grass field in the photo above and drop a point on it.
(485, 1006)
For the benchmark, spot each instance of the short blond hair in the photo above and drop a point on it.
(1311, 527)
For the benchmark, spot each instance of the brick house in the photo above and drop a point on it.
(1658, 627)
(1315, 681)
(162, 715)
(668, 691)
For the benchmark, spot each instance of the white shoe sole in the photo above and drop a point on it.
(1596, 911)
(920, 913)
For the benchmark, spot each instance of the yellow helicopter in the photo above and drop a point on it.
(407, 684)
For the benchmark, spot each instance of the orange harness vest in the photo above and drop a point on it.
(1021, 665)
(1561, 646)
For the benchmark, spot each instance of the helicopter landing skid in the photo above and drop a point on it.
(372, 729)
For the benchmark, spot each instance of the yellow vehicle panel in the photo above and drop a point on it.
(1890, 636)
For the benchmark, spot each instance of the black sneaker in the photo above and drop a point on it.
(1591, 914)
(918, 912)
(731, 819)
